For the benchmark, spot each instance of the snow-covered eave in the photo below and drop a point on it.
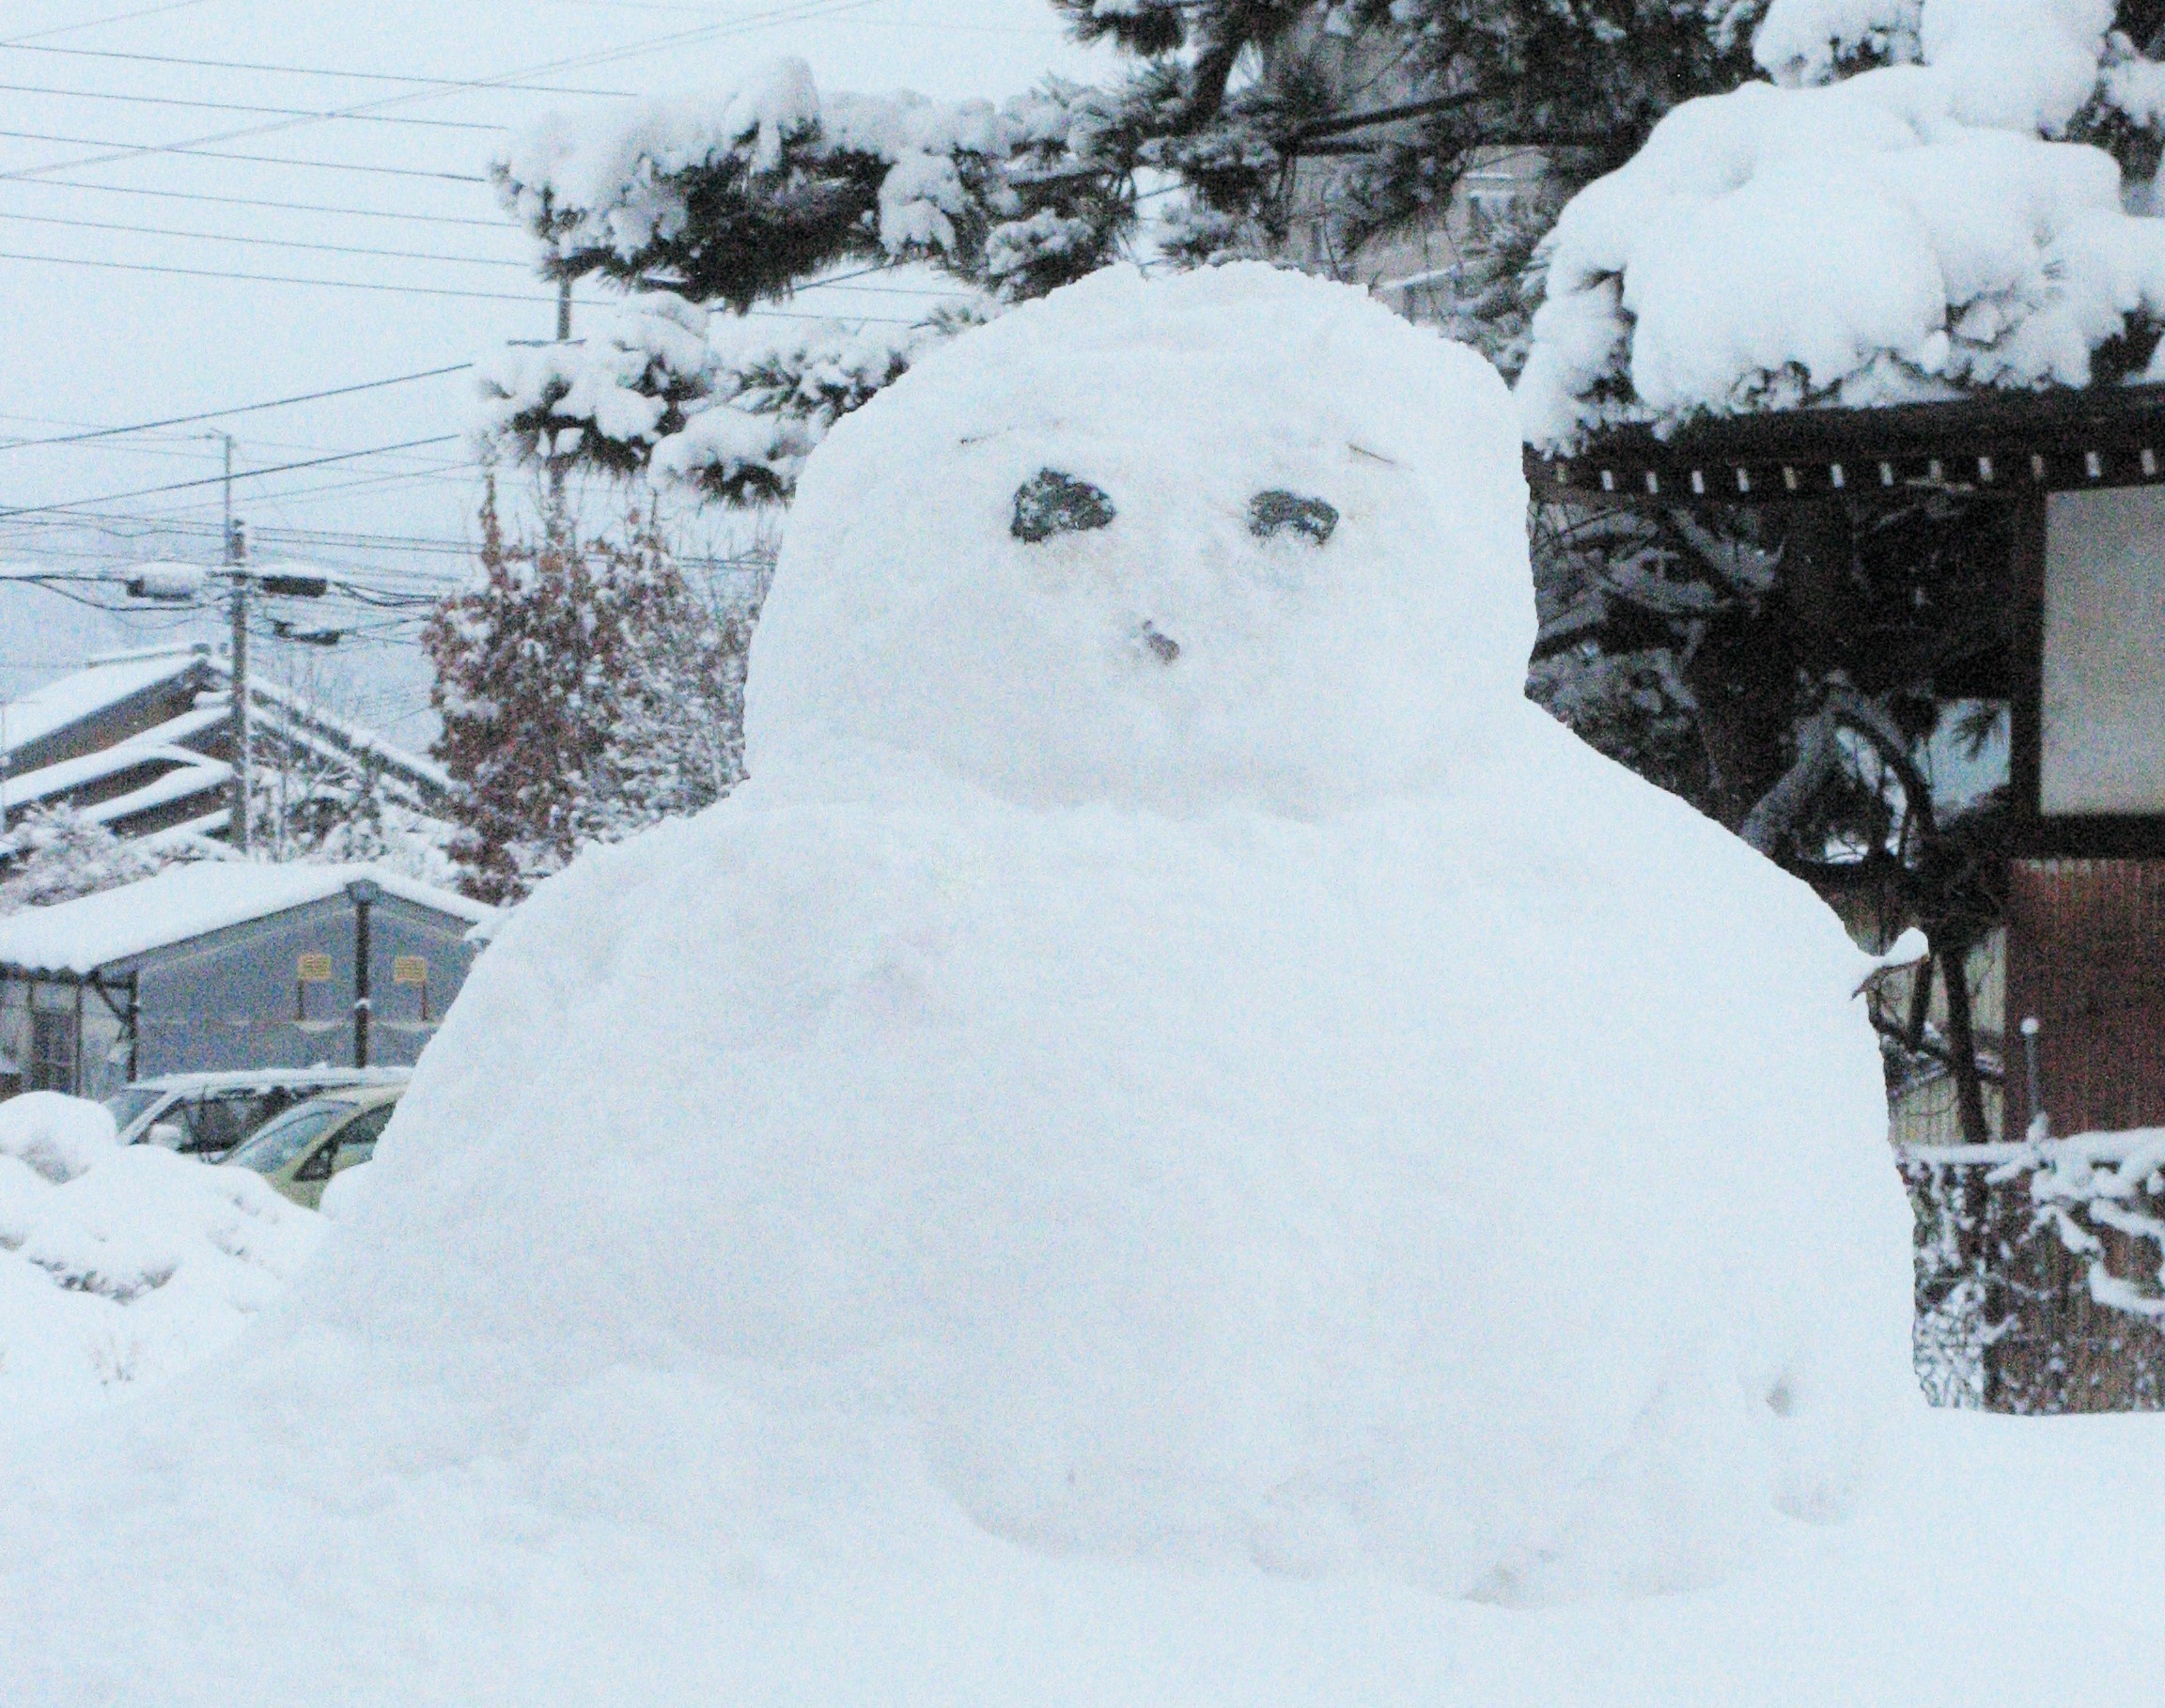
(2052, 440)
(167, 741)
(113, 931)
(354, 739)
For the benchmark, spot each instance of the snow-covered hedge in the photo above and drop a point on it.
(1911, 232)
(119, 1265)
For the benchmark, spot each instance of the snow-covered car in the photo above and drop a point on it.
(300, 1150)
(208, 1115)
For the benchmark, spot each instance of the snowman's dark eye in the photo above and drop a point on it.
(1051, 502)
(1276, 513)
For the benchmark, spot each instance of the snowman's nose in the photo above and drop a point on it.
(1163, 646)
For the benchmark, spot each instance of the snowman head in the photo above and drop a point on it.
(1237, 535)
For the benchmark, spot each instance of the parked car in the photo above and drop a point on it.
(300, 1150)
(207, 1115)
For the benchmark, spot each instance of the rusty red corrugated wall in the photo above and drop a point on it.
(2086, 957)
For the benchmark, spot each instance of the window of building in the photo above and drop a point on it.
(51, 1051)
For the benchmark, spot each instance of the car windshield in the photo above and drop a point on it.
(128, 1107)
(290, 1135)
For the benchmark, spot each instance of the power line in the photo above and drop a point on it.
(92, 24)
(212, 480)
(226, 236)
(283, 278)
(254, 201)
(237, 106)
(258, 159)
(409, 291)
(680, 38)
(303, 70)
(837, 283)
(244, 408)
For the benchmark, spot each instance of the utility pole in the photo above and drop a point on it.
(243, 758)
(563, 336)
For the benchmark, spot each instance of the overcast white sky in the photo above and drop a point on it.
(95, 345)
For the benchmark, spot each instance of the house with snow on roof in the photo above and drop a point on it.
(143, 743)
(221, 965)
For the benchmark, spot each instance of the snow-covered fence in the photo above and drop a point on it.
(2041, 1272)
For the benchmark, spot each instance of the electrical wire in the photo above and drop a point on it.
(655, 44)
(262, 243)
(302, 70)
(465, 261)
(407, 291)
(280, 278)
(257, 202)
(92, 24)
(238, 106)
(245, 409)
(212, 480)
(130, 149)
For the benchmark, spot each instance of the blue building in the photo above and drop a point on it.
(224, 965)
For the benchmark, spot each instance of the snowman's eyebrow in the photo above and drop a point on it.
(1361, 450)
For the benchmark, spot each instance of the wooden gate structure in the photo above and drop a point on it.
(2082, 475)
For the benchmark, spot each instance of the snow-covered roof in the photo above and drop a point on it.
(84, 693)
(164, 742)
(1908, 234)
(279, 1078)
(183, 902)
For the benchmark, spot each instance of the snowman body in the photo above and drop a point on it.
(1169, 1029)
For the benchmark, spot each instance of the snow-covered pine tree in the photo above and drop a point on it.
(587, 688)
(703, 209)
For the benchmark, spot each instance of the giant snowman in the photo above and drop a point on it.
(1170, 1079)
(1169, 1029)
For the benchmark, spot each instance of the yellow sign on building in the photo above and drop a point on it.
(315, 970)
(410, 970)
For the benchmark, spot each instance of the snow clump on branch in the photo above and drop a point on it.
(610, 182)
(706, 401)
(1906, 234)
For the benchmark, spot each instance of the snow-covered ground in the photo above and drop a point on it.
(568, 1561)
(121, 1267)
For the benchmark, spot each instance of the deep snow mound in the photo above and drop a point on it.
(121, 1265)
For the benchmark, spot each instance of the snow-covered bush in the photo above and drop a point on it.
(55, 854)
(121, 1265)
(587, 689)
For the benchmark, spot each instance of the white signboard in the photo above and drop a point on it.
(2101, 746)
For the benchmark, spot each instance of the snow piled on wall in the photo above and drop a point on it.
(120, 1266)
(1905, 234)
